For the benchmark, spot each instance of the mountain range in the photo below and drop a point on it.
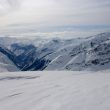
(75, 54)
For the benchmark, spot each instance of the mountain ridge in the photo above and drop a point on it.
(91, 53)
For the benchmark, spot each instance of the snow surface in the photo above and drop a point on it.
(55, 91)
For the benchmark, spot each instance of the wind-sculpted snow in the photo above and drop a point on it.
(17, 78)
(55, 91)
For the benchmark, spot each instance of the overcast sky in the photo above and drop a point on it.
(54, 15)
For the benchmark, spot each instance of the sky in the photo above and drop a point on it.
(54, 17)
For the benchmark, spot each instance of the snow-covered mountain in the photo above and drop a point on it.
(91, 53)
(6, 64)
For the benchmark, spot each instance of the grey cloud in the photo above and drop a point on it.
(13, 3)
(9, 3)
(7, 6)
(54, 12)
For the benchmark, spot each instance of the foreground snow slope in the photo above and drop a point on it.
(55, 91)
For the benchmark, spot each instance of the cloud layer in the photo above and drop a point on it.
(50, 13)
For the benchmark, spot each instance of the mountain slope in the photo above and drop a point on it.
(6, 64)
(91, 53)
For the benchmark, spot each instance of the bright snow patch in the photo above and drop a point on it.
(55, 91)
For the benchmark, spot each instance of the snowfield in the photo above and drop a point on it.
(55, 91)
